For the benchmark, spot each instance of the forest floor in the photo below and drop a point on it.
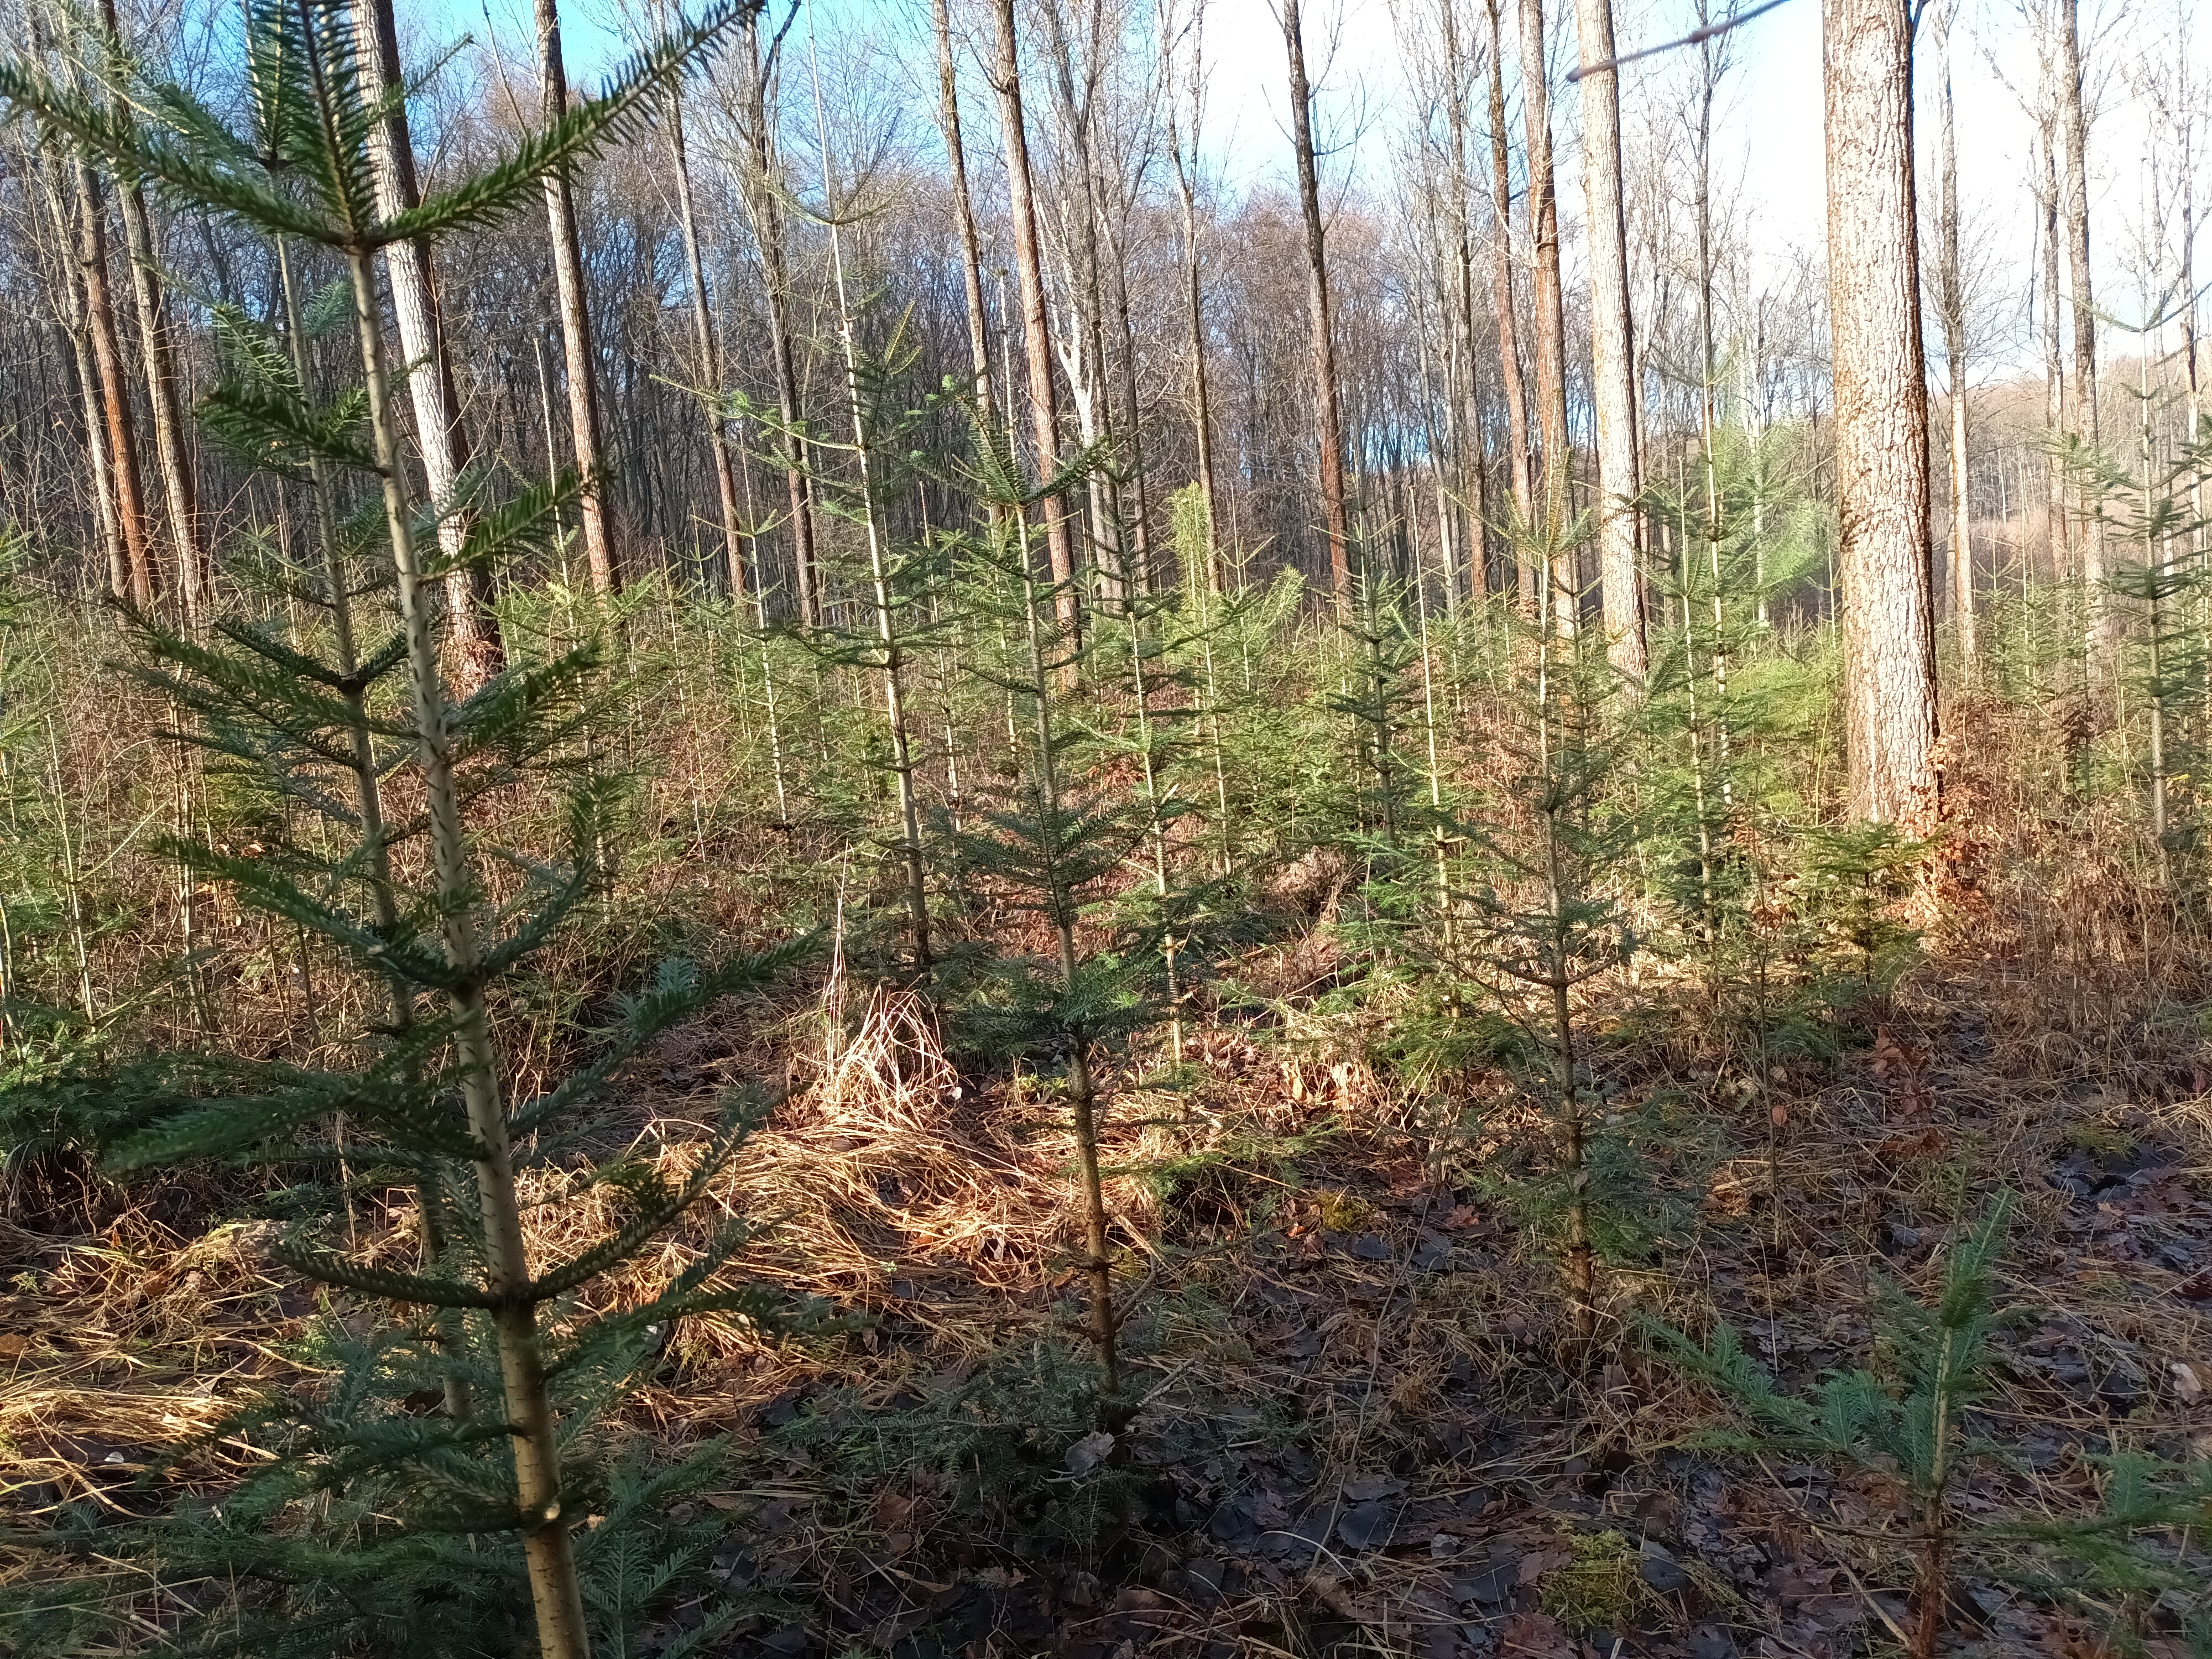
(1363, 1426)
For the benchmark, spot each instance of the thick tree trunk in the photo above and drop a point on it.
(1951, 297)
(471, 623)
(1611, 350)
(1036, 325)
(1882, 412)
(575, 315)
(1550, 321)
(1508, 345)
(710, 356)
(2103, 641)
(763, 207)
(1328, 423)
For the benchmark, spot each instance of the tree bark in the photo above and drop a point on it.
(1201, 410)
(963, 211)
(158, 360)
(114, 391)
(575, 315)
(710, 356)
(76, 322)
(1473, 486)
(1508, 345)
(1036, 325)
(2103, 629)
(2057, 532)
(1550, 322)
(1328, 436)
(1882, 413)
(1611, 349)
(767, 215)
(471, 623)
(1951, 300)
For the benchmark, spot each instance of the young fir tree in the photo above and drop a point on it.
(1546, 921)
(1051, 845)
(519, 1362)
(1909, 1414)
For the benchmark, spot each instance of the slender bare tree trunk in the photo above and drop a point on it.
(76, 322)
(1509, 346)
(471, 623)
(1201, 410)
(963, 210)
(1473, 489)
(1951, 299)
(1882, 412)
(158, 359)
(2103, 639)
(1037, 323)
(1550, 321)
(575, 315)
(1328, 423)
(763, 207)
(710, 355)
(1611, 350)
(2058, 531)
(114, 390)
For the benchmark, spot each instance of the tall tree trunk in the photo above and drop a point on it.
(766, 211)
(1882, 412)
(1508, 345)
(1037, 323)
(1329, 424)
(76, 322)
(1468, 447)
(963, 210)
(1201, 410)
(2103, 629)
(114, 390)
(1611, 350)
(710, 356)
(1951, 297)
(2057, 533)
(473, 625)
(158, 359)
(575, 315)
(1550, 321)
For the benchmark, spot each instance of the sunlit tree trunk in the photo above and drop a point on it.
(1186, 169)
(1037, 323)
(710, 356)
(114, 390)
(1611, 350)
(1951, 300)
(963, 209)
(1882, 412)
(1328, 423)
(575, 315)
(1550, 322)
(1509, 347)
(157, 357)
(471, 623)
(765, 209)
(2082, 389)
